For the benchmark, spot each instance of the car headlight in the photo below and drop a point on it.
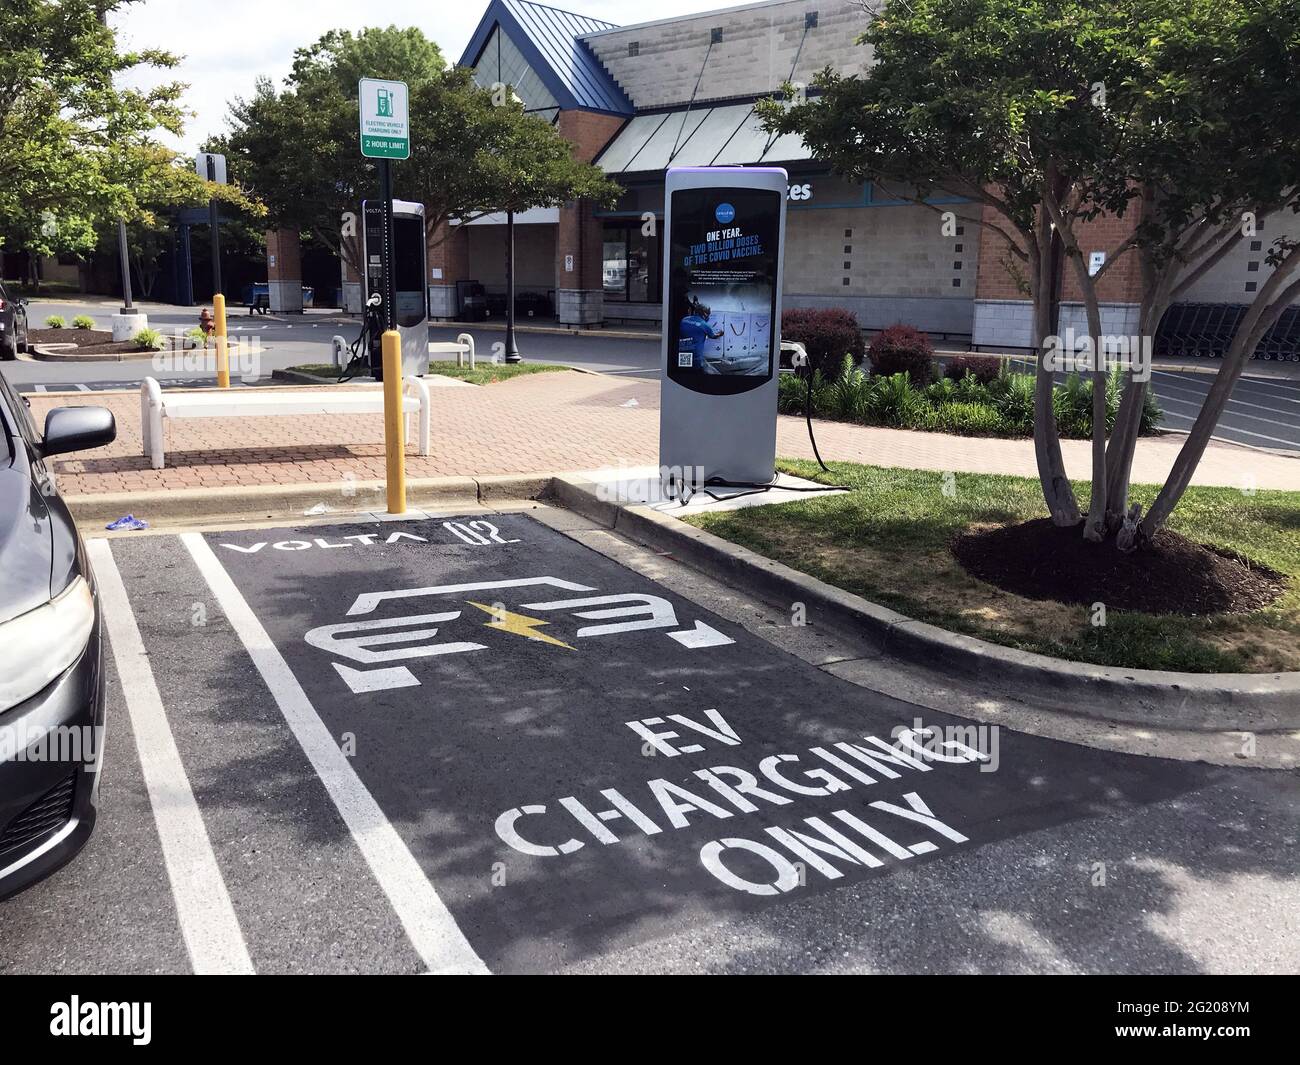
(37, 646)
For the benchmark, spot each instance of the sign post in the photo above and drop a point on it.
(386, 135)
(213, 168)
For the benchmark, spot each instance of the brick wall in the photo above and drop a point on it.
(587, 131)
(283, 255)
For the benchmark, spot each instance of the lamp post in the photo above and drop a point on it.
(127, 306)
(512, 349)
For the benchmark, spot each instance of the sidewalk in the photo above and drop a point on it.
(550, 423)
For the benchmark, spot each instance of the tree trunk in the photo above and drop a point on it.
(1057, 492)
(1094, 529)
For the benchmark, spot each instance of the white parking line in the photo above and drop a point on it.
(1235, 398)
(1234, 414)
(429, 925)
(203, 908)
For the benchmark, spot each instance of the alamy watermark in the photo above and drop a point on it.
(1072, 353)
(68, 744)
(950, 743)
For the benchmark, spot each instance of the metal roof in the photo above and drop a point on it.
(703, 135)
(549, 40)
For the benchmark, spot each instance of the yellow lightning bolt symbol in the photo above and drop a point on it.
(520, 624)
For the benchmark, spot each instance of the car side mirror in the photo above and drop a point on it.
(77, 429)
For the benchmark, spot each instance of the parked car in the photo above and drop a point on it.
(51, 658)
(13, 325)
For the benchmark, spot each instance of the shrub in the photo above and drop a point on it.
(54, 321)
(83, 321)
(850, 393)
(942, 391)
(149, 338)
(829, 334)
(1151, 414)
(984, 368)
(967, 419)
(198, 336)
(1013, 396)
(903, 349)
(893, 401)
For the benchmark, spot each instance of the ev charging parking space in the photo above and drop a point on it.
(580, 761)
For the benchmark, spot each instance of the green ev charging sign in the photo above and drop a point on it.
(385, 119)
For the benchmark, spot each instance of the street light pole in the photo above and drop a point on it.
(127, 306)
(512, 349)
(213, 224)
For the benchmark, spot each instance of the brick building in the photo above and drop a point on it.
(639, 99)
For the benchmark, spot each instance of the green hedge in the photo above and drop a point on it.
(1002, 407)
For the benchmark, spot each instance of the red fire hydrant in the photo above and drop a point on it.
(205, 321)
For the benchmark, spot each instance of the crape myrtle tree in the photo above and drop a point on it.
(1216, 148)
(78, 150)
(473, 150)
(1054, 112)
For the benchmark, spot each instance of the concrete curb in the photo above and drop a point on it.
(288, 502)
(1216, 702)
(297, 377)
(39, 354)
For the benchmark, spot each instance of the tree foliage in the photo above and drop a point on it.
(1049, 113)
(75, 148)
(472, 152)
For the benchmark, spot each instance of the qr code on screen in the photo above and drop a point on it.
(684, 360)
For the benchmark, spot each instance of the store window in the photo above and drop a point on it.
(633, 264)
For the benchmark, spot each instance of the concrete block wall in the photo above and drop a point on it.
(1243, 271)
(756, 54)
(887, 264)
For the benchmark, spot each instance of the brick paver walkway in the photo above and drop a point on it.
(547, 423)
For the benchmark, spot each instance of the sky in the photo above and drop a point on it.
(227, 45)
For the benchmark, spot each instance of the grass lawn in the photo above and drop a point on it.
(888, 541)
(485, 373)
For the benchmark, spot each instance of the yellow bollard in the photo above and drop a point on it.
(223, 356)
(394, 437)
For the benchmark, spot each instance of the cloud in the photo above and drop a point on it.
(227, 46)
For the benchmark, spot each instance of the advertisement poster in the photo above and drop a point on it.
(723, 257)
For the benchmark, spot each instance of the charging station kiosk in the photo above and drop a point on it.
(724, 231)
(409, 271)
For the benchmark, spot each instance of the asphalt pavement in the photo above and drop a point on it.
(474, 743)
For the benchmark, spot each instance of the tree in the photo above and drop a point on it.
(160, 183)
(297, 147)
(1053, 112)
(65, 126)
(1223, 90)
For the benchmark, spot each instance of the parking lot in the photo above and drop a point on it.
(477, 744)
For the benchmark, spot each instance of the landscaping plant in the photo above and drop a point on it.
(902, 349)
(828, 334)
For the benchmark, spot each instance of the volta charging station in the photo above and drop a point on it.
(723, 267)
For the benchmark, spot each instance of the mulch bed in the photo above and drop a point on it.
(1171, 575)
(87, 341)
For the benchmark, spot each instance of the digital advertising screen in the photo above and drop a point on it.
(722, 278)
